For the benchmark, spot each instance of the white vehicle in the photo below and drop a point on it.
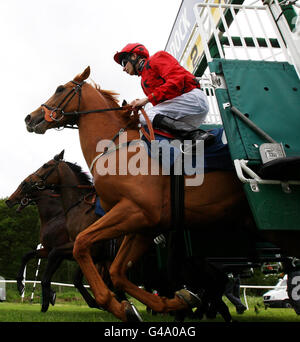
(278, 297)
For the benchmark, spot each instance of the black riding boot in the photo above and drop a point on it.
(182, 130)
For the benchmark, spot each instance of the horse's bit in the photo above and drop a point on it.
(50, 111)
(29, 186)
(49, 116)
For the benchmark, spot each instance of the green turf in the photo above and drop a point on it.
(26, 312)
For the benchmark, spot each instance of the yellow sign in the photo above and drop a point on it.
(196, 51)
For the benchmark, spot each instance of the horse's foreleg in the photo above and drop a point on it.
(108, 227)
(103, 296)
(132, 248)
(48, 295)
(55, 258)
(37, 253)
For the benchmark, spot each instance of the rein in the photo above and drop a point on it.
(27, 200)
(84, 199)
(149, 136)
(28, 187)
(51, 113)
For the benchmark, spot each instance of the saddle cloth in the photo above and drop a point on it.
(216, 157)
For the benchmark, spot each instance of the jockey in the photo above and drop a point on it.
(179, 105)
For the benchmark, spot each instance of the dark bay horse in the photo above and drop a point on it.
(136, 204)
(53, 233)
(59, 228)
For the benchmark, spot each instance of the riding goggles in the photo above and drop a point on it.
(124, 61)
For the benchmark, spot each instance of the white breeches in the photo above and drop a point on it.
(193, 104)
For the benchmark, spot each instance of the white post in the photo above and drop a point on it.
(24, 284)
(245, 298)
(39, 246)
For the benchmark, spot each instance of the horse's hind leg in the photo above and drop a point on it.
(132, 248)
(222, 308)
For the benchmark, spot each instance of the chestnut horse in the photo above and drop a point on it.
(136, 205)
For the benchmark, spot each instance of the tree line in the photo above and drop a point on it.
(20, 233)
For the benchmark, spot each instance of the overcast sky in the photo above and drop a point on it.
(45, 43)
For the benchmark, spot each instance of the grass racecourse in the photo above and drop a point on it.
(71, 308)
(79, 312)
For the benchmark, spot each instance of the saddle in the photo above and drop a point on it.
(216, 156)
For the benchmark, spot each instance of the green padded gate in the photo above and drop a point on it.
(268, 93)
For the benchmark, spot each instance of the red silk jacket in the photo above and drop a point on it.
(163, 78)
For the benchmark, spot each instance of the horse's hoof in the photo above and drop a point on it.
(44, 307)
(192, 299)
(132, 314)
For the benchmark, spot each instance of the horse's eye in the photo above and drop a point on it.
(60, 89)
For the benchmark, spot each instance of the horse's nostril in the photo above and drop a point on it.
(27, 119)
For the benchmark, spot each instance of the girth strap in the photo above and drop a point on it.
(177, 201)
(177, 214)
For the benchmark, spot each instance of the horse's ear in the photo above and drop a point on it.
(124, 103)
(59, 156)
(83, 76)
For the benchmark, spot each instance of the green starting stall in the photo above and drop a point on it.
(249, 55)
(246, 54)
(260, 110)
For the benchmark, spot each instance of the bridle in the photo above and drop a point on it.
(29, 198)
(43, 185)
(29, 186)
(51, 113)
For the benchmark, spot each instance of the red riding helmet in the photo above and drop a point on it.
(137, 48)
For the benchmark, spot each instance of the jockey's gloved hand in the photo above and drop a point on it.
(160, 240)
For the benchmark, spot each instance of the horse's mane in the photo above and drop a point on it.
(108, 94)
(83, 177)
(112, 97)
